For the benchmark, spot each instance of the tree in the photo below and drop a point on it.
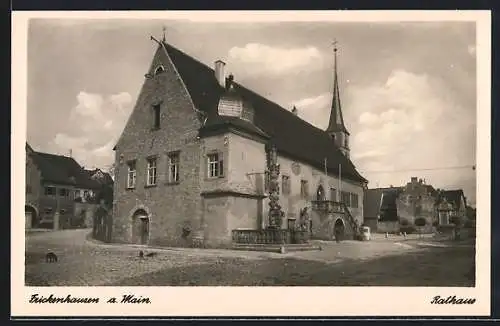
(420, 221)
(105, 193)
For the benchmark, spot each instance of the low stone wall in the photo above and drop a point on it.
(84, 214)
(388, 227)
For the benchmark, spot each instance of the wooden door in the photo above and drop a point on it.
(144, 230)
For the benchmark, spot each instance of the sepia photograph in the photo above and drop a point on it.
(172, 152)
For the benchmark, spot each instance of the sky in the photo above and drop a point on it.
(408, 90)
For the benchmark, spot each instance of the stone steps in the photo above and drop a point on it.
(275, 247)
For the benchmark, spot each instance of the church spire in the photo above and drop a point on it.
(336, 127)
(336, 118)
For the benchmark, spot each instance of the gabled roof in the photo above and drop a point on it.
(291, 135)
(61, 169)
(371, 202)
(378, 199)
(99, 176)
(452, 196)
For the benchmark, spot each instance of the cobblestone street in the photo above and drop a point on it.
(393, 261)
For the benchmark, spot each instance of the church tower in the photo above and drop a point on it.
(336, 128)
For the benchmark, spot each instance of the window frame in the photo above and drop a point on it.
(218, 164)
(154, 168)
(285, 184)
(345, 195)
(354, 203)
(333, 194)
(63, 192)
(131, 170)
(46, 188)
(304, 189)
(159, 69)
(156, 108)
(170, 165)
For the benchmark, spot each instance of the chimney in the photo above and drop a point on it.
(294, 110)
(219, 73)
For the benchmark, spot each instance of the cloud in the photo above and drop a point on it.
(407, 121)
(314, 109)
(263, 59)
(410, 121)
(95, 124)
(88, 105)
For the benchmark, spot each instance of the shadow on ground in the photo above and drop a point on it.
(431, 267)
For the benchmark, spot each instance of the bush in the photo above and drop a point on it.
(420, 221)
(404, 222)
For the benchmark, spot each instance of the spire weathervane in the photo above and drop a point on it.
(334, 43)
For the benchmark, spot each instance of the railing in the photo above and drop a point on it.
(327, 206)
(269, 236)
(351, 220)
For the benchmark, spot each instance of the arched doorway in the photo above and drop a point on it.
(31, 217)
(140, 227)
(320, 193)
(339, 229)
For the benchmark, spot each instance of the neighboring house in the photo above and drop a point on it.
(400, 206)
(451, 203)
(51, 184)
(98, 180)
(417, 200)
(192, 158)
(380, 211)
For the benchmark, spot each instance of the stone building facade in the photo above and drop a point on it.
(417, 200)
(51, 184)
(390, 209)
(191, 160)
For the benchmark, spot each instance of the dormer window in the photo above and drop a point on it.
(159, 69)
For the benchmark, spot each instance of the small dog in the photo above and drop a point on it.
(51, 257)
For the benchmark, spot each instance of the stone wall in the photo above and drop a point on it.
(33, 187)
(171, 206)
(293, 202)
(389, 227)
